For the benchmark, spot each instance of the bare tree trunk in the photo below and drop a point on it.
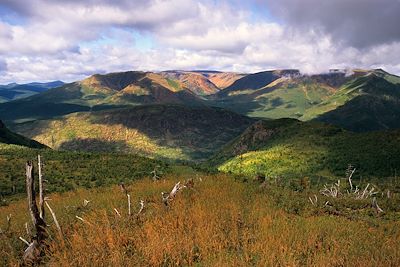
(41, 189)
(33, 252)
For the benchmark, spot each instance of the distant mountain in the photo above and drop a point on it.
(8, 137)
(371, 102)
(166, 131)
(289, 148)
(14, 91)
(358, 100)
(99, 92)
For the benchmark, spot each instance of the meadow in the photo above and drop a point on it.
(221, 221)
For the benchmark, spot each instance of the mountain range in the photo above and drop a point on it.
(189, 115)
(14, 91)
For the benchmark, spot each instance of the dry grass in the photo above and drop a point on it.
(218, 223)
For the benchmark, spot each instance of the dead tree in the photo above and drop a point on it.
(33, 253)
(126, 192)
(166, 198)
(41, 189)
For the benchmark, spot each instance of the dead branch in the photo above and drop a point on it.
(141, 207)
(376, 206)
(55, 219)
(85, 202)
(129, 204)
(123, 188)
(24, 240)
(166, 198)
(28, 232)
(350, 176)
(313, 201)
(117, 212)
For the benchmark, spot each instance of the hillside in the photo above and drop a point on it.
(14, 91)
(357, 100)
(291, 149)
(8, 137)
(98, 92)
(371, 102)
(195, 82)
(167, 131)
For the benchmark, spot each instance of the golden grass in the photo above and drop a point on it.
(220, 222)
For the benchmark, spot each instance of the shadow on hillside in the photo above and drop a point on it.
(198, 131)
(94, 145)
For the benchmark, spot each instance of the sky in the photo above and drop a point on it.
(44, 40)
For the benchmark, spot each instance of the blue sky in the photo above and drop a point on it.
(42, 40)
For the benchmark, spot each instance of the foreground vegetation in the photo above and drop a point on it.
(71, 170)
(221, 221)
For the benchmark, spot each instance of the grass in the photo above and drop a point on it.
(220, 222)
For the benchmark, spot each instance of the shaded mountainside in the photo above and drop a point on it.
(294, 149)
(17, 91)
(166, 131)
(8, 137)
(374, 105)
(360, 100)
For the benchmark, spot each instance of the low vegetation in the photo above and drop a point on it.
(71, 170)
(208, 225)
(293, 149)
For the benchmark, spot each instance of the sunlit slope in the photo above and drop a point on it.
(293, 149)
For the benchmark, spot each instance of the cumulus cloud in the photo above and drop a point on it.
(358, 23)
(68, 40)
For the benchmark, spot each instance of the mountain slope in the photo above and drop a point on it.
(17, 91)
(8, 137)
(293, 149)
(169, 131)
(97, 92)
(358, 100)
(373, 104)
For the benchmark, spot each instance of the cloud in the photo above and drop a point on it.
(68, 40)
(3, 66)
(357, 23)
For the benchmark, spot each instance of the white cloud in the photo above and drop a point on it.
(69, 40)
